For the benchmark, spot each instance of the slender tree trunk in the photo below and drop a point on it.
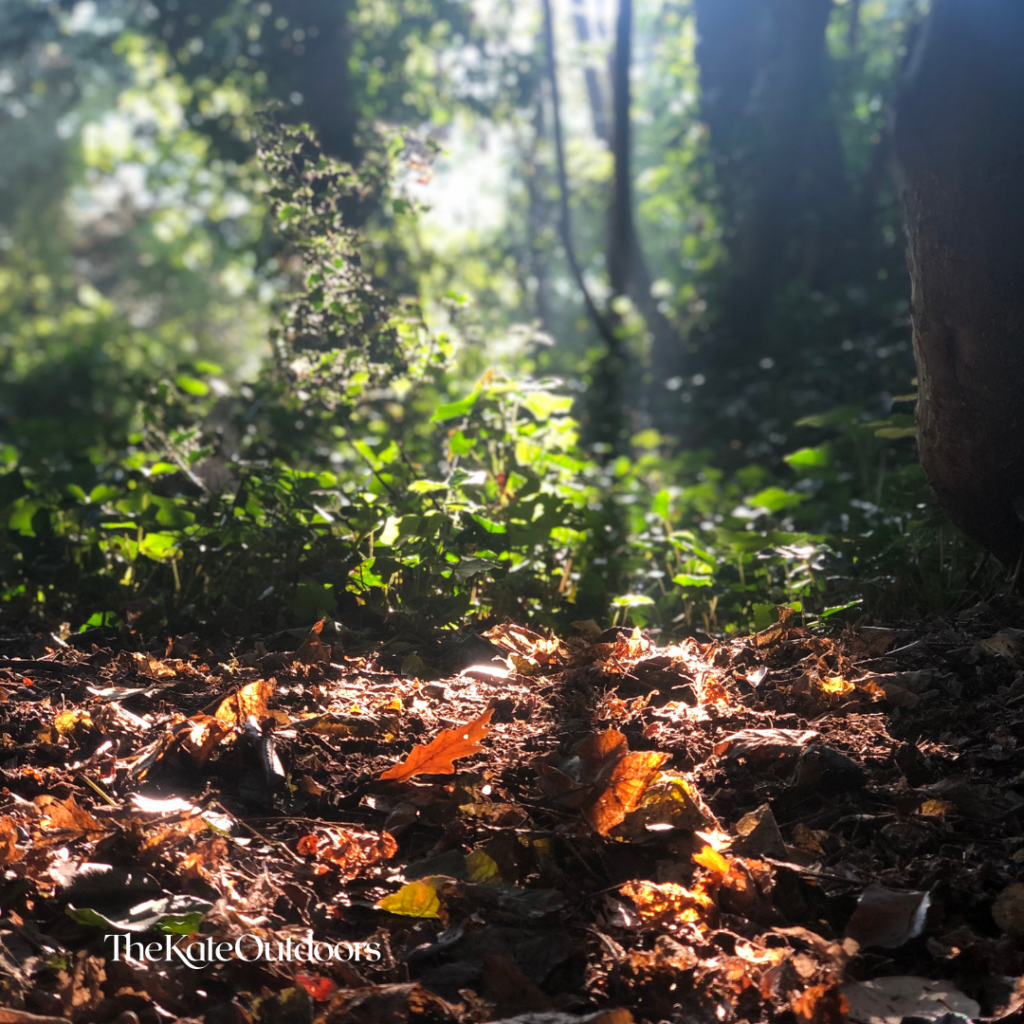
(627, 267)
(960, 147)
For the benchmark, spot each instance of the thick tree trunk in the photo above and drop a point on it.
(960, 148)
(778, 162)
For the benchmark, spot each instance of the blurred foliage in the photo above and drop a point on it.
(245, 383)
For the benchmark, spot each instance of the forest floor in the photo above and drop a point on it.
(787, 827)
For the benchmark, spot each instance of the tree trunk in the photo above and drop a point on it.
(960, 148)
(778, 161)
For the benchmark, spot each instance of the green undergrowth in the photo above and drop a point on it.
(361, 474)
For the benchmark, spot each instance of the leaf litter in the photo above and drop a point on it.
(787, 827)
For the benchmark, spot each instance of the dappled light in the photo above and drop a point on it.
(511, 512)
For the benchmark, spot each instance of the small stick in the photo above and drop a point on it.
(97, 790)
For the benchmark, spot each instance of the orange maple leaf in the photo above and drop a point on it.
(437, 756)
(623, 789)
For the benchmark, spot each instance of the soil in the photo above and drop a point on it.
(791, 826)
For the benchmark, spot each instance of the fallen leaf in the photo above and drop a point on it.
(414, 899)
(201, 734)
(808, 839)
(178, 915)
(821, 1004)
(203, 860)
(669, 801)
(1002, 645)
(150, 805)
(481, 867)
(622, 791)
(667, 902)
(319, 987)
(1008, 909)
(438, 756)
(68, 815)
(712, 861)
(766, 744)
(9, 851)
(313, 650)
(759, 835)
(890, 1000)
(250, 700)
(888, 918)
(936, 808)
(836, 686)
(349, 850)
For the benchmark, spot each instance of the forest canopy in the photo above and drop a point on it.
(460, 310)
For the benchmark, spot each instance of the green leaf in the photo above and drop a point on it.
(460, 444)
(810, 458)
(489, 525)
(161, 547)
(20, 519)
(452, 410)
(894, 433)
(775, 499)
(836, 608)
(688, 580)
(838, 417)
(469, 567)
(179, 915)
(543, 405)
(192, 385)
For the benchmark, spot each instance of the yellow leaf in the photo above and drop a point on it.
(482, 867)
(414, 899)
(712, 860)
(936, 808)
(66, 721)
(836, 686)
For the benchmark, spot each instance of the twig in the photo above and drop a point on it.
(97, 790)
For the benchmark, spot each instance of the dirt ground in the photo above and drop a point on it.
(787, 827)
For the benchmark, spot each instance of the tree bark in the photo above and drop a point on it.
(960, 148)
(778, 161)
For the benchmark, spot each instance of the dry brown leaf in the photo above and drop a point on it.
(203, 860)
(766, 744)
(438, 756)
(202, 734)
(166, 839)
(1008, 909)
(147, 665)
(668, 902)
(713, 862)
(251, 699)
(888, 918)
(1002, 645)
(349, 850)
(9, 851)
(313, 650)
(600, 753)
(820, 1004)
(623, 789)
(68, 815)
